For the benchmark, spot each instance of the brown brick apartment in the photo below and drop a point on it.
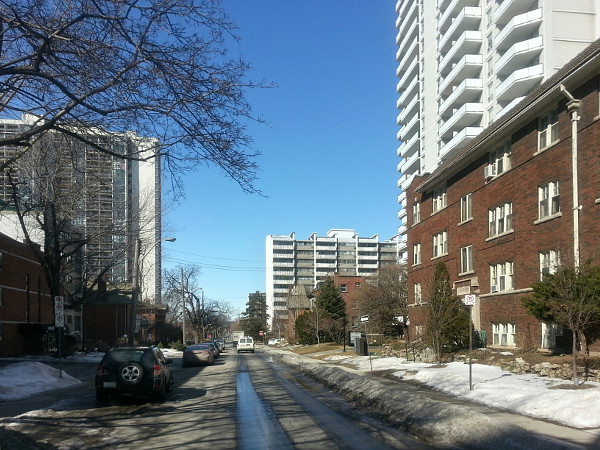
(519, 200)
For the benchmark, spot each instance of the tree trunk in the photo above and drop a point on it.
(575, 380)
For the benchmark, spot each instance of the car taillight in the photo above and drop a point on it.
(156, 370)
(100, 370)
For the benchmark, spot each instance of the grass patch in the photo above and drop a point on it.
(324, 347)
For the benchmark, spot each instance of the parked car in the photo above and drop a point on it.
(197, 354)
(245, 344)
(274, 341)
(214, 348)
(220, 343)
(134, 371)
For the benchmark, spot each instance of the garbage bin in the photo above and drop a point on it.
(361, 347)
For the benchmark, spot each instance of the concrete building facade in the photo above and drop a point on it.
(517, 202)
(462, 64)
(308, 262)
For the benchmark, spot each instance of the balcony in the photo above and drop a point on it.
(520, 28)
(469, 66)
(406, 59)
(511, 8)
(409, 110)
(451, 11)
(468, 43)
(410, 128)
(411, 163)
(406, 17)
(409, 92)
(467, 115)
(520, 82)
(409, 148)
(522, 54)
(408, 37)
(469, 90)
(459, 141)
(468, 19)
(508, 107)
(410, 72)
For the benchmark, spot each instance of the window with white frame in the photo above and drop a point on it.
(417, 253)
(466, 207)
(548, 131)
(500, 160)
(417, 290)
(440, 244)
(466, 259)
(549, 262)
(501, 276)
(504, 334)
(439, 199)
(500, 219)
(549, 199)
(344, 288)
(416, 212)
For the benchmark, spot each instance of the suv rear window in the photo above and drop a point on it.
(125, 355)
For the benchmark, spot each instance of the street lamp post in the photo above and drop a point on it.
(136, 286)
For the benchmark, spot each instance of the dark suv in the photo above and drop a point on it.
(134, 370)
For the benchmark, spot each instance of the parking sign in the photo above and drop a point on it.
(59, 312)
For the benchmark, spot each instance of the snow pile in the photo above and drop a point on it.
(21, 380)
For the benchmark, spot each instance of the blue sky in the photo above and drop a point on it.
(328, 149)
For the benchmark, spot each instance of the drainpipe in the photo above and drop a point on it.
(573, 109)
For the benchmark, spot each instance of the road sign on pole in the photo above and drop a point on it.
(469, 300)
(59, 312)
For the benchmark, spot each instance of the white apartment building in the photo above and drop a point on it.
(118, 204)
(464, 63)
(308, 262)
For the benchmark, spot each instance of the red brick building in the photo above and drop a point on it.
(26, 307)
(350, 286)
(520, 199)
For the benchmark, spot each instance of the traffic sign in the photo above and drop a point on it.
(469, 300)
(59, 312)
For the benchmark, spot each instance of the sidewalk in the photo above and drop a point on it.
(556, 435)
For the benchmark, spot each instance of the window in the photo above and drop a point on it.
(344, 288)
(440, 244)
(548, 131)
(549, 261)
(416, 254)
(357, 284)
(500, 219)
(501, 276)
(499, 160)
(466, 208)
(549, 199)
(439, 199)
(416, 212)
(466, 259)
(504, 334)
(417, 288)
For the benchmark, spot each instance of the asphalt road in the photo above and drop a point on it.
(245, 401)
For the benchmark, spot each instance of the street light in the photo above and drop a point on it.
(136, 284)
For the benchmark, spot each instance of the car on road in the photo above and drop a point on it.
(220, 343)
(197, 354)
(245, 344)
(214, 348)
(134, 371)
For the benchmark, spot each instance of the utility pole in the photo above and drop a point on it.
(134, 292)
(183, 308)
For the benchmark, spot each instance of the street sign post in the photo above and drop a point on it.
(59, 322)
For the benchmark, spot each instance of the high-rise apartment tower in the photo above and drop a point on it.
(464, 63)
(308, 262)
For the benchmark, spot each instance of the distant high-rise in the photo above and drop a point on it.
(114, 202)
(464, 63)
(308, 262)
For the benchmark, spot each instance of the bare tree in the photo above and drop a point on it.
(384, 299)
(161, 68)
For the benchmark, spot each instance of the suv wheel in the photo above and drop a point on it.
(131, 373)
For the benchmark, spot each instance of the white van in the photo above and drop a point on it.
(245, 344)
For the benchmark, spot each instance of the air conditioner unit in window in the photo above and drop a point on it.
(494, 289)
(489, 171)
